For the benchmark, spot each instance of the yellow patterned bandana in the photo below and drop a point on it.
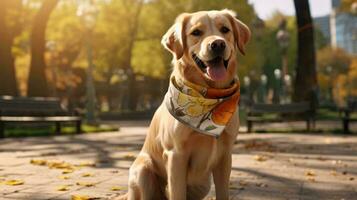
(206, 110)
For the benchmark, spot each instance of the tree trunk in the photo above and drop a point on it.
(8, 84)
(37, 84)
(305, 87)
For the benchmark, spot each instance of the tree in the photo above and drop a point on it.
(345, 85)
(64, 44)
(9, 29)
(37, 83)
(332, 65)
(305, 86)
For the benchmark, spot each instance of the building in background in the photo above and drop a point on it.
(323, 24)
(339, 28)
(344, 31)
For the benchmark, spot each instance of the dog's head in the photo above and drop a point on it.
(204, 45)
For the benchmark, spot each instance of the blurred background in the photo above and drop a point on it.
(104, 57)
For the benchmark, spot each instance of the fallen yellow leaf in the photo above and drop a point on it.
(83, 197)
(60, 165)
(63, 188)
(87, 175)
(67, 171)
(80, 197)
(38, 162)
(118, 188)
(310, 173)
(14, 182)
(85, 164)
(260, 158)
(86, 184)
(64, 177)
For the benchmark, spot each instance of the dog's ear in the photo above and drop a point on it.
(240, 30)
(174, 39)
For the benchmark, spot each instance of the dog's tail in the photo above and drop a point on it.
(122, 197)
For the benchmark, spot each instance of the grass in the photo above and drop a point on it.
(24, 131)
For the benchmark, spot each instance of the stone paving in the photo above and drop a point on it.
(265, 166)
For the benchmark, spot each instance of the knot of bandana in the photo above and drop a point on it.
(206, 110)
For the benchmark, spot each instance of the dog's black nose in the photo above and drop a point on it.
(217, 47)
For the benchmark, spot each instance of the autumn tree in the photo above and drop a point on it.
(37, 83)
(65, 43)
(10, 27)
(332, 65)
(305, 86)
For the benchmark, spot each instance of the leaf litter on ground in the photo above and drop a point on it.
(83, 197)
(14, 182)
(118, 188)
(86, 184)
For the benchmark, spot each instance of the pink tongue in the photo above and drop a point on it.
(217, 71)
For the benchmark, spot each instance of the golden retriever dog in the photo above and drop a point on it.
(177, 161)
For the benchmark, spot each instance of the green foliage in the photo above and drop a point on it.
(335, 72)
(335, 58)
(127, 35)
(149, 54)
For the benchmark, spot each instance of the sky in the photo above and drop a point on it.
(265, 8)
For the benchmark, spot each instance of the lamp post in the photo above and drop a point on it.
(329, 74)
(246, 81)
(88, 14)
(277, 84)
(283, 38)
(262, 88)
(287, 88)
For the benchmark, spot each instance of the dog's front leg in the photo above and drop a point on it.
(177, 174)
(221, 174)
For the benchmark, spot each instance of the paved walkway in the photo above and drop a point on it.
(265, 166)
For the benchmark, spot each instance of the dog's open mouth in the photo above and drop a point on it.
(216, 68)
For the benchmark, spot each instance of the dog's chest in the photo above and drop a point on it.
(205, 151)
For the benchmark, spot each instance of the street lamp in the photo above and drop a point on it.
(287, 87)
(283, 38)
(246, 81)
(277, 83)
(87, 12)
(330, 87)
(262, 88)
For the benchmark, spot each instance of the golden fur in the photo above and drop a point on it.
(176, 162)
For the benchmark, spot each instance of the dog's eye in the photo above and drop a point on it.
(196, 32)
(224, 29)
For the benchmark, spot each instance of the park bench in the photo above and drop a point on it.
(19, 110)
(347, 114)
(260, 113)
